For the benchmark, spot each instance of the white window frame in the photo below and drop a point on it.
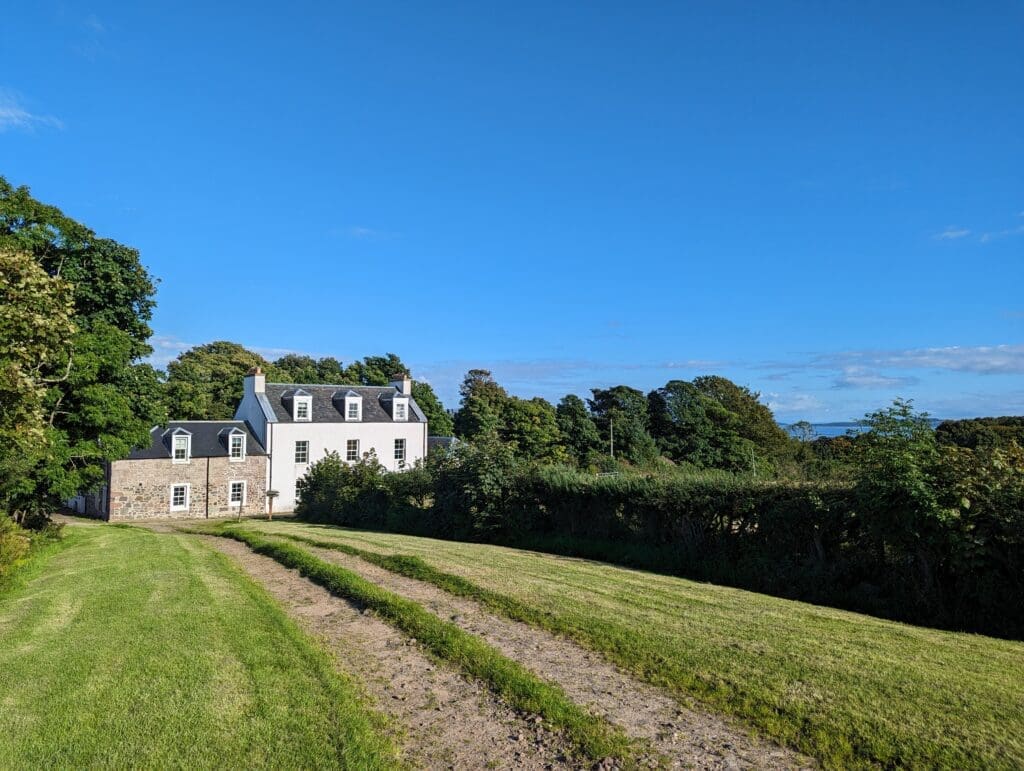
(306, 443)
(188, 496)
(404, 405)
(350, 402)
(348, 450)
(231, 447)
(245, 491)
(401, 444)
(307, 402)
(187, 437)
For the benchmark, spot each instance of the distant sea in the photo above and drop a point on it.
(841, 428)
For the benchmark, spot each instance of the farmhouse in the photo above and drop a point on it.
(223, 468)
(191, 468)
(299, 424)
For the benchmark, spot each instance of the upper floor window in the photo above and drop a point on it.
(353, 406)
(182, 444)
(352, 450)
(400, 450)
(302, 452)
(237, 446)
(401, 410)
(302, 408)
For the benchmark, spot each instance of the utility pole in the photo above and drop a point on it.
(611, 437)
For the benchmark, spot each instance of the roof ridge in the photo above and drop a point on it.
(328, 385)
(185, 420)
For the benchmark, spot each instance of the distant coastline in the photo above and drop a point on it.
(843, 427)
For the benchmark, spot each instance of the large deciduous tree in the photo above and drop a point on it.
(578, 428)
(622, 411)
(35, 352)
(106, 400)
(205, 382)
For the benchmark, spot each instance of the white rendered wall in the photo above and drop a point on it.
(250, 411)
(327, 437)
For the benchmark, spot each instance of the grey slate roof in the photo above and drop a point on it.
(209, 439)
(329, 402)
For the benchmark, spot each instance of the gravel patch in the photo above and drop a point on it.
(683, 735)
(445, 720)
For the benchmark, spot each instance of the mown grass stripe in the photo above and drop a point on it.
(517, 686)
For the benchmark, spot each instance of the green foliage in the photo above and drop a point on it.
(15, 543)
(531, 427)
(981, 433)
(299, 368)
(102, 401)
(439, 422)
(205, 382)
(621, 415)
(578, 428)
(35, 351)
(918, 535)
(517, 686)
(483, 402)
(693, 427)
(375, 370)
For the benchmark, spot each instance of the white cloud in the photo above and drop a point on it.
(1004, 359)
(798, 404)
(997, 234)
(370, 234)
(859, 377)
(166, 348)
(13, 115)
(952, 233)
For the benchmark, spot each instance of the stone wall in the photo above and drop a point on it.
(141, 489)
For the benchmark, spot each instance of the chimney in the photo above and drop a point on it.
(402, 382)
(255, 382)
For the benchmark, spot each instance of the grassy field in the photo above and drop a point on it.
(846, 688)
(125, 648)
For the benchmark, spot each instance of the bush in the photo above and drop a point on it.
(14, 545)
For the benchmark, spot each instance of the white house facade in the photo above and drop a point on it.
(299, 424)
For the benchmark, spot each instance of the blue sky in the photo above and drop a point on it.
(823, 201)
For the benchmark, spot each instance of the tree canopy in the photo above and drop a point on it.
(106, 400)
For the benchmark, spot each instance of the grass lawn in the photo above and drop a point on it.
(844, 687)
(126, 648)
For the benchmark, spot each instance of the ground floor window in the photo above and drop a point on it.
(179, 497)
(352, 449)
(236, 493)
(400, 449)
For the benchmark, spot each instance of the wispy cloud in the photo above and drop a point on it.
(952, 233)
(166, 348)
(93, 24)
(794, 404)
(14, 115)
(370, 234)
(998, 234)
(860, 377)
(976, 359)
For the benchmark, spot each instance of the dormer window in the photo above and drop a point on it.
(401, 409)
(302, 407)
(236, 446)
(181, 446)
(353, 406)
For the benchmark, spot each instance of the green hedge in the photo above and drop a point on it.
(809, 541)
